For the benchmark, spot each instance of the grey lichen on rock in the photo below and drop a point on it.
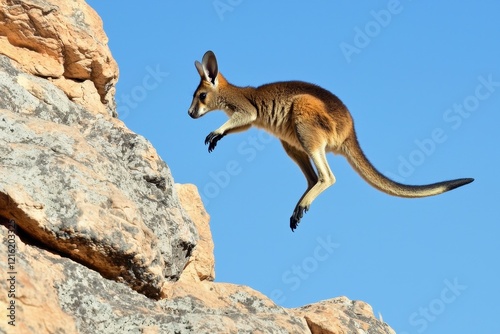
(77, 181)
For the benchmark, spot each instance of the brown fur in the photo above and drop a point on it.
(308, 120)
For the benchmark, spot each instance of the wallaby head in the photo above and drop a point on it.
(205, 96)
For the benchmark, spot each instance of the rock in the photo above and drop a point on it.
(201, 264)
(83, 184)
(79, 300)
(341, 315)
(97, 236)
(65, 42)
(35, 306)
(63, 296)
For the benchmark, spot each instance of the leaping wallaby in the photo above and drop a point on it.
(308, 120)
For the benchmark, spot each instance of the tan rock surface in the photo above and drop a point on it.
(201, 265)
(34, 300)
(342, 315)
(61, 40)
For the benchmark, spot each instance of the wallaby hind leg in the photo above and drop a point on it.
(314, 128)
(325, 180)
(303, 161)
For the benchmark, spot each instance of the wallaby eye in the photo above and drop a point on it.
(203, 96)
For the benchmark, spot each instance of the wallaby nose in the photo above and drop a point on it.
(192, 113)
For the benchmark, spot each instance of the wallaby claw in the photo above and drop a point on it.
(212, 140)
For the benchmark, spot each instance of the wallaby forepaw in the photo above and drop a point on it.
(212, 140)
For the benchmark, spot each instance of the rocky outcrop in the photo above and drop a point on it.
(79, 300)
(62, 41)
(66, 297)
(77, 180)
(86, 186)
(341, 315)
(97, 237)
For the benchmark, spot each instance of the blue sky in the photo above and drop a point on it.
(422, 81)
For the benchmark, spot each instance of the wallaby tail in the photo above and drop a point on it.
(363, 166)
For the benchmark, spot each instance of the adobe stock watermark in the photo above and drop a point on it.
(453, 118)
(11, 274)
(151, 80)
(247, 152)
(364, 35)
(221, 7)
(421, 319)
(293, 277)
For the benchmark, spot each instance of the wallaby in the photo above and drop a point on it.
(308, 120)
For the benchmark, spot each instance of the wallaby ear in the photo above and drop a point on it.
(210, 66)
(199, 67)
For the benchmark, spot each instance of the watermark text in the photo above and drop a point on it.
(11, 273)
